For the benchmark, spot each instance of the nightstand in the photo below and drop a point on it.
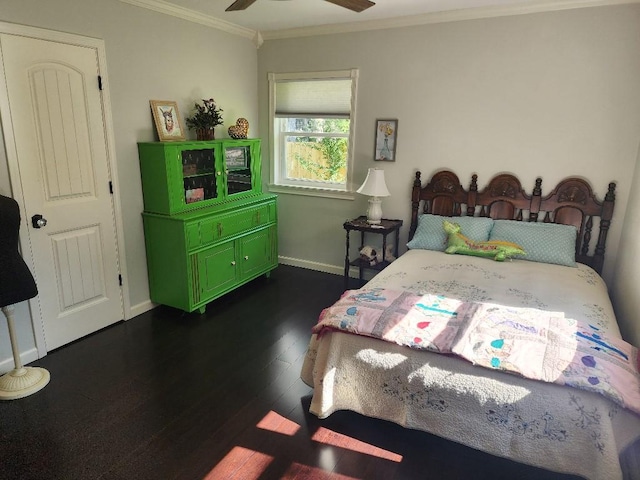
(360, 224)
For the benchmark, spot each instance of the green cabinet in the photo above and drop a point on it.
(203, 244)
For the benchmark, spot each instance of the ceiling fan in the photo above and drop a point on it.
(355, 5)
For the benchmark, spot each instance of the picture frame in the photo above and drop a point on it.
(386, 139)
(237, 157)
(167, 119)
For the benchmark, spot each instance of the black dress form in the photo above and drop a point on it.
(16, 282)
(16, 285)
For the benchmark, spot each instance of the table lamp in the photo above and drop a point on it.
(374, 187)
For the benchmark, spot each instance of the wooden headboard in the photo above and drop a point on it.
(571, 202)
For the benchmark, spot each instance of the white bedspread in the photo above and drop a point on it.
(547, 425)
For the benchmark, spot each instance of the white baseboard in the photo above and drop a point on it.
(321, 267)
(141, 308)
(7, 364)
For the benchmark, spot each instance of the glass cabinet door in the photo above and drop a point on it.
(238, 169)
(199, 175)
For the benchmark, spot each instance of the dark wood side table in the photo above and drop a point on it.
(360, 224)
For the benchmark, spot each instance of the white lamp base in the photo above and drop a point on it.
(22, 382)
(374, 213)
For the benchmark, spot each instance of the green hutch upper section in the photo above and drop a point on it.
(179, 177)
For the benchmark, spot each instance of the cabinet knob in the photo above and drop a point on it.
(218, 173)
(246, 257)
(233, 264)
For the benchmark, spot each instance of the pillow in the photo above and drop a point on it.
(543, 242)
(431, 236)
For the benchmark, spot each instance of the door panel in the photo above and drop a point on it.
(217, 269)
(78, 257)
(65, 160)
(59, 133)
(256, 252)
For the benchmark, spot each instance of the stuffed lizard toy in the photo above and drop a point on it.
(496, 249)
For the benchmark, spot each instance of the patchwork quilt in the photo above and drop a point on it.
(534, 343)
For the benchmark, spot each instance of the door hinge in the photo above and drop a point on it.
(110, 187)
(120, 279)
(99, 82)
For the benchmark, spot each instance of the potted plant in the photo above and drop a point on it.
(205, 117)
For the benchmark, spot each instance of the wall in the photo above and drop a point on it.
(550, 94)
(627, 272)
(149, 56)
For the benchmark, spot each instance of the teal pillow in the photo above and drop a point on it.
(431, 236)
(543, 242)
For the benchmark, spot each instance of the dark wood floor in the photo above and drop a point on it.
(170, 395)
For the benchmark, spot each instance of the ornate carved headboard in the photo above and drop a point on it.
(571, 202)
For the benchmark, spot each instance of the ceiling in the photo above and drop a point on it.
(288, 18)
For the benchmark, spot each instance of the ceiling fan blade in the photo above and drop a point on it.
(239, 5)
(355, 5)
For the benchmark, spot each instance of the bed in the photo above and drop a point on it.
(451, 382)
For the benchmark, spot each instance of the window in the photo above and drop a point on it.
(312, 118)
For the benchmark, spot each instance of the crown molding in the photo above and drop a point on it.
(442, 17)
(167, 8)
(258, 37)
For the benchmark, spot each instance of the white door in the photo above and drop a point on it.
(59, 134)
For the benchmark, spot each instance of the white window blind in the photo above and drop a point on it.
(313, 97)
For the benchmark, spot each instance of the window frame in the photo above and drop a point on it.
(277, 182)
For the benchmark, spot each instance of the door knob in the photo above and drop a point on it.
(38, 221)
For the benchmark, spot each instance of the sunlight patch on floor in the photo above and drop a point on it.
(246, 464)
(329, 437)
(299, 471)
(240, 464)
(277, 423)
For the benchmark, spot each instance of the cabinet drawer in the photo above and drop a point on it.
(193, 235)
(239, 222)
(224, 226)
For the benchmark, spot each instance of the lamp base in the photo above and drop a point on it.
(374, 213)
(22, 382)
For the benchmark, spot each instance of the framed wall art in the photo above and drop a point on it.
(386, 136)
(167, 119)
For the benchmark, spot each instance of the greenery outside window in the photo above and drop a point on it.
(312, 119)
